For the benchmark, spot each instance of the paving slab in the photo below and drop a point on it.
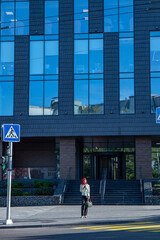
(50, 216)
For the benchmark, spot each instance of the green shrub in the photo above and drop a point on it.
(27, 186)
(44, 191)
(26, 194)
(156, 185)
(17, 184)
(38, 184)
(16, 192)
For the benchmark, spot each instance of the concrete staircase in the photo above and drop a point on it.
(123, 192)
(73, 195)
(118, 192)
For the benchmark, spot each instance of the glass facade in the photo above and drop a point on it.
(88, 83)
(110, 16)
(14, 17)
(116, 155)
(155, 70)
(6, 76)
(88, 64)
(80, 16)
(118, 16)
(126, 77)
(44, 69)
(44, 65)
(52, 17)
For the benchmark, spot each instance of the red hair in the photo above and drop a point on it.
(84, 179)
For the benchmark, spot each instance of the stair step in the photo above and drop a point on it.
(117, 192)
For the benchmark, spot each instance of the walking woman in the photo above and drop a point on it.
(85, 190)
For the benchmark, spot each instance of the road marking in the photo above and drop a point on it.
(146, 226)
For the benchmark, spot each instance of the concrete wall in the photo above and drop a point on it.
(143, 158)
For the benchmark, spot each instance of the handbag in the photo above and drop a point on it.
(89, 203)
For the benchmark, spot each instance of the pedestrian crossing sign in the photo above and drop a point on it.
(11, 132)
(158, 115)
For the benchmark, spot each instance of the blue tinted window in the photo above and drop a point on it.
(111, 16)
(126, 19)
(126, 96)
(96, 98)
(123, 3)
(96, 56)
(155, 53)
(80, 96)
(22, 18)
(6, 98)
(155, 94)
(81, 56)
(51, 17)
(51, 98)
(51, 57)
(36, 98)
(81, 16)
(36, 57)
(126, 53)
(7, 58)
(7, 18)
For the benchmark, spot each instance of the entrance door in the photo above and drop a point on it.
(112, 165)
(110, 162)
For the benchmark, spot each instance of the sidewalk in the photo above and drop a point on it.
(44, 216)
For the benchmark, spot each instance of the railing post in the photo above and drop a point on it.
(103, 185)
(66, 184)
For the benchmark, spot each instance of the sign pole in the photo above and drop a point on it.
(10, 133)
(158, 162)
(9, 180)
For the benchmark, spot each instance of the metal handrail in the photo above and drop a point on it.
(141, 189)
(100, 187)
(103, 184)
(66, 184)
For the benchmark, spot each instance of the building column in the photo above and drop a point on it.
(0, 160)
(67, 157)
(143, 157)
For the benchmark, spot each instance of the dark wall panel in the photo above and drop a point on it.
(66, 53)
(111, 72)
(36, 15)
(96, 16)
(21, 91)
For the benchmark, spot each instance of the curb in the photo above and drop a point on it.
(75, 224)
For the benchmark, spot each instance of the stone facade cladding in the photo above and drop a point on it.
(31, 201)
(67, 157)
(143, 158)
(66, 123)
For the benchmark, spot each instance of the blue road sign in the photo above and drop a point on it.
(158, 115)
(11, 132)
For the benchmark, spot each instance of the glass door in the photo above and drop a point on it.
(87, 166)
(111, 163)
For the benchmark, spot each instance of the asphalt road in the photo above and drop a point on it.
(129, 231)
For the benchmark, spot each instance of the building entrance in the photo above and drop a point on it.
(112, 164)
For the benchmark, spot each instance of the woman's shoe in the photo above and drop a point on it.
(82, 216)
(85, 216)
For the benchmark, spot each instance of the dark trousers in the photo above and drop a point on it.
(84, 209)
